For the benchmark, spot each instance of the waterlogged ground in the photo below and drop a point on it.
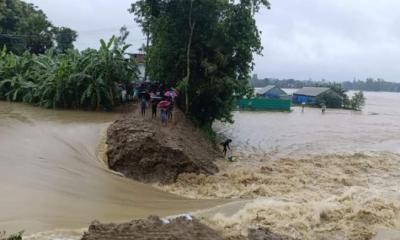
(314, 176)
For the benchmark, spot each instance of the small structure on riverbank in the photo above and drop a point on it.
(309, 95)
(271, 92)
(269, 98)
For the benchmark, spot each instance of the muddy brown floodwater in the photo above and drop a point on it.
(306, 175)
(52, 178)
(314, 176)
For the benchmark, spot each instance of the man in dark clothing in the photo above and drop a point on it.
(154, 108)
(143, 105)
(226, 146)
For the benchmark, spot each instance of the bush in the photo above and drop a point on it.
(84, 80)
(330, 99)
(17, 236)
(357, 101)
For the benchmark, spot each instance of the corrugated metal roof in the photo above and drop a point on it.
(264, 90)
(311, 91)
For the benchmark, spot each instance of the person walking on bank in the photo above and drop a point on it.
(143, 105)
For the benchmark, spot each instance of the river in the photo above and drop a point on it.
(51, 176)
(376, 128)
(334, 175)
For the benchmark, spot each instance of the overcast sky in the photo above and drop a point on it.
(336, 40)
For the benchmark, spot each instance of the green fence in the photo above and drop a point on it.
(265, 104)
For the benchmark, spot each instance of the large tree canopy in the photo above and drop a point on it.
(204, 47)
(24, 27)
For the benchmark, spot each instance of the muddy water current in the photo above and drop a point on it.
(308, 175)
(52, 177)
(376, 128)
(314, 176)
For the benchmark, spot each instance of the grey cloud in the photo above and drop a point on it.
(332, 39)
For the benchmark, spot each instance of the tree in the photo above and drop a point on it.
(203, 47)
(357, 101)
(73, 79)
(331, 99)
(25, 27)
(65, 38)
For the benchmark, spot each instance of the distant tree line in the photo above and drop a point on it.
(25, 27)
(369, 84)
(378, 85)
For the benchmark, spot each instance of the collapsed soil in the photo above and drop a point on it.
(180, 228)
(143, 150)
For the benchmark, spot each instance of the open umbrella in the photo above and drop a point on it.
(163, 104)
(171, 93)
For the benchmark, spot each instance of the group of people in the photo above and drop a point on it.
(158, 99)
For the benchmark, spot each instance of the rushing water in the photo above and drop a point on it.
(275, 134)
(314, 176)
(51, 176)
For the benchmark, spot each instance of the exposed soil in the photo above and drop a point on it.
(181, 228)
(141, 149)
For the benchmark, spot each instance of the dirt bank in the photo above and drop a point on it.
(181, 228)
(141, 149)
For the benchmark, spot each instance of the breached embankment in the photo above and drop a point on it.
(181, 228)
(144, 151)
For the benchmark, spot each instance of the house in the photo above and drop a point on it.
(271, 92)
(140, 60)
(308, 95)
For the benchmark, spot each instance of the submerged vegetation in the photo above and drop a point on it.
(17, 236)
(79, 80)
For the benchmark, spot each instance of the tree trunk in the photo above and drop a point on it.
(191, 27)
(145, 57)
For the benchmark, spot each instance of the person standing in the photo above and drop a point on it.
(143, 105)
(154, 103)
(226, 146)
(323, 108)
(164, 117)
(170, 109)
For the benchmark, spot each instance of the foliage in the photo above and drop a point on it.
(23, 26)
(216, 38)
(330, 99)
(65, 38)
(372, 85)
(72, 79)
(17, 236)
(357, 101)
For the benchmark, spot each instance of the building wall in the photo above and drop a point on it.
(299, 99)
(141, 71)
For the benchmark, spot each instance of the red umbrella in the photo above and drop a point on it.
(171, 93)
(163, 104)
